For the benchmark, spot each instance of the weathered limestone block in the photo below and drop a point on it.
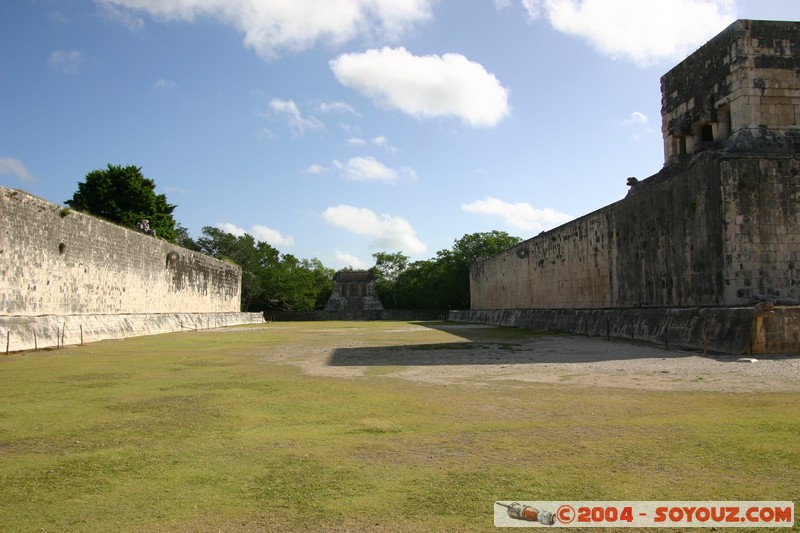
(56, 261)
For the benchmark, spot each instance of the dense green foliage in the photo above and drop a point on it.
(438, 283)
(270, 279)
(388, 266)
(182, 238)
(124, 196)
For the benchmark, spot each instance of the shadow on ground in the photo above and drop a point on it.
(490, 345)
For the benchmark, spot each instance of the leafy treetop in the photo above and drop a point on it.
(124, 196)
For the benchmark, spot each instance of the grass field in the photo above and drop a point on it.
(199, 432)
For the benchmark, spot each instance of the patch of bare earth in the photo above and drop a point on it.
(556, 359)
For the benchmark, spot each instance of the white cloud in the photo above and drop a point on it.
(644, 32)
(315, 169)
(639, 123)
(122, 16)
(383, 142)
(519, 215)
(636, 119)
(347, 260)
(336, 107)
(231, 228)
(370, 169)
(387, 232)
(356, 141)
(66, 61)
(296, 121)
(14, 167)
(165, 84)
(425, 86)
(260, 233)
(274, 26)
(271, 236)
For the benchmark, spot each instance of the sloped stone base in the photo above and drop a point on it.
(741, 330)
(19, 333)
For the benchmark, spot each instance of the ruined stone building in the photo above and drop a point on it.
(353, 290)
(717, 228)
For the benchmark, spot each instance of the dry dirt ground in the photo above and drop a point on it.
(574, 360)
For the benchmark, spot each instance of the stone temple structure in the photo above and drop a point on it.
(353, 290)
(705, 253)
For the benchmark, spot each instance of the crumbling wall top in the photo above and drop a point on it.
(738, 92)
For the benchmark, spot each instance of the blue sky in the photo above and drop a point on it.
(339, 128)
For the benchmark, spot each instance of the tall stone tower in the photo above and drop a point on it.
(740, 92)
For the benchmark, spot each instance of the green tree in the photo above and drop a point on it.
(438, 283)
(475, 246)
(270, 280)
(388, 267)
(182, 238)
(242, 251)
(301, 284)
(465, 251)
(124, 196)
(418, 286)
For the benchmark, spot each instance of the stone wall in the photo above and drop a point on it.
(667, 248)
(55, 261)
(718, 230)
(68, 278)
(761, 229)
(19, 333)
(565, 267)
